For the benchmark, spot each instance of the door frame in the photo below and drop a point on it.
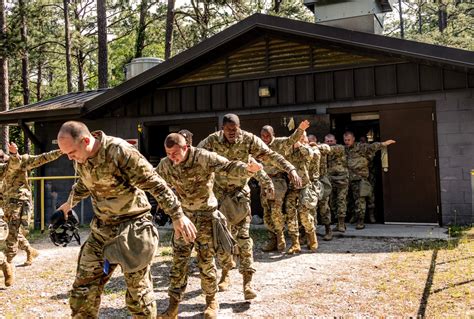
(408, 105)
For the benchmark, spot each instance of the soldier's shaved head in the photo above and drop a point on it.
(175, 139)
(312, 138)
(349, 138)
(231, 118)
(268, 129)
(267, 134)
(330, 139)
(75, 129)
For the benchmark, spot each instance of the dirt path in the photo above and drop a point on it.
(346, 277)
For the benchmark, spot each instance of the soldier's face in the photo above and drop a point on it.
(266, 137)
(330, 140)
(231, 132)
(177, 153)
(76, 150)
(349, 140)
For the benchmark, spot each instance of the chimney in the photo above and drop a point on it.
(358, 15)
(140, 65)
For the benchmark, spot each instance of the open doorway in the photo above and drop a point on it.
(366, 128)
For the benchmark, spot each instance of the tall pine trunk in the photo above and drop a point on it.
(67, 42)
(79, 53)
(102, 39)
(140, 42)
(4, 104)
(169, 29)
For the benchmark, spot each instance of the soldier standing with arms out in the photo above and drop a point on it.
(17, 200)
(372, 180)
(326, 187)
(190, 171)
(116, 175)
(236, 144)
(358, 156)
(339, 177)
(273, 208)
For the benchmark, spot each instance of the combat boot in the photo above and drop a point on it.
(281, 243)
(312, 241)
(360, 223)
(211, 307)
(341, 226)
(249, 293)
(372, 216)
(8, 274)
(31, 254)
(328, 235)
(224, 283)
(295, 247)
(271, 244)
(172, 310)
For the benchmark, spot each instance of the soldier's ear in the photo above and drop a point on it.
(87, 140)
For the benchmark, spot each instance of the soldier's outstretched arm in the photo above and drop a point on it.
(266, 183)
(296, 135)
(34, 161)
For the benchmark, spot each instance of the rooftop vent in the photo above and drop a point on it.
(140, 65)
(358, 15)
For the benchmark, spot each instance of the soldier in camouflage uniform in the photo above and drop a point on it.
(372, 180)
(339, 177)
(18, 201)
(325, 182)
(273, 208)
(236, 144)
(115, 175)
(301, 200)
(190, 171)
(358, 156)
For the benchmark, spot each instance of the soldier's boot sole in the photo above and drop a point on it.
(224, 282)
(31, 255)
(212, 306)
(8, 274)
(249, 293)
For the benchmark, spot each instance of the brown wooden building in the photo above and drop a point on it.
(418, 94)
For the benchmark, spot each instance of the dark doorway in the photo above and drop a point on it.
(363, 125)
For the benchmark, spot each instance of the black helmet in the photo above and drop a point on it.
(63, 231)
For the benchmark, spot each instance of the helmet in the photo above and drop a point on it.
(61, 231)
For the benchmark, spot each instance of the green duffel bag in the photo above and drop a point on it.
(223, 240)
(235, 206)
(326, 187)
(340, 180)
(365, 188)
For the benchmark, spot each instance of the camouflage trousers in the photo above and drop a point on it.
(323, 203)
(301, 203)
(3, 258)
(91, 278)
(241, 233)
(14, 211)
(338, 199)
(371, 197)
(273, 209)
(359, 201)
(204, 245)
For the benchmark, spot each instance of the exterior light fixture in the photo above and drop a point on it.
(264, 91)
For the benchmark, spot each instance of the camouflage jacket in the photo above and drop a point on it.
(245, 146)
(358, 157)
(15, 178)
(116, 178)
(282, 145)
(325, 150)
(193, 179)
(301, 158)
(318, 166)
(337, 161)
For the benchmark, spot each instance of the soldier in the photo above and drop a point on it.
(190, 171)
(326, 187)
(339, 177)
(273, 208)
(18, 201)
(187, 135)
(358, 156)
(116, 175)
(372, 180)
(301, 200)
(236, 144)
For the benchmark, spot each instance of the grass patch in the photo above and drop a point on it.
(458, 231)
(430, 244)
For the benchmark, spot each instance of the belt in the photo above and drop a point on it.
(16, 201)
(281, 175)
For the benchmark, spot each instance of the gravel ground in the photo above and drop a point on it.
(350, 277)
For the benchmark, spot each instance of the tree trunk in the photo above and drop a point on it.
(140, 42)
(25, 56)
(39, 76)
(102, 39)
(276, 6)
(442, 17)
(67, 42)
(79, 52)
(4, 104)
(402, 27)
(169, 29)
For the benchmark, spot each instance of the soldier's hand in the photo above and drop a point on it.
(253, 166)
(12, 148)
(295, 179)
(270, 192)
(183, 227)
(388, 142)
(304, 125)
(65, 208)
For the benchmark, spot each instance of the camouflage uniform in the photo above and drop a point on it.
(339, 177)
(273, 209)
(116, 178)
(246, 145)
(358, 157)
(193, 181)
(325, 192)
(372, 180)
(17, 198)
(301, 202)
